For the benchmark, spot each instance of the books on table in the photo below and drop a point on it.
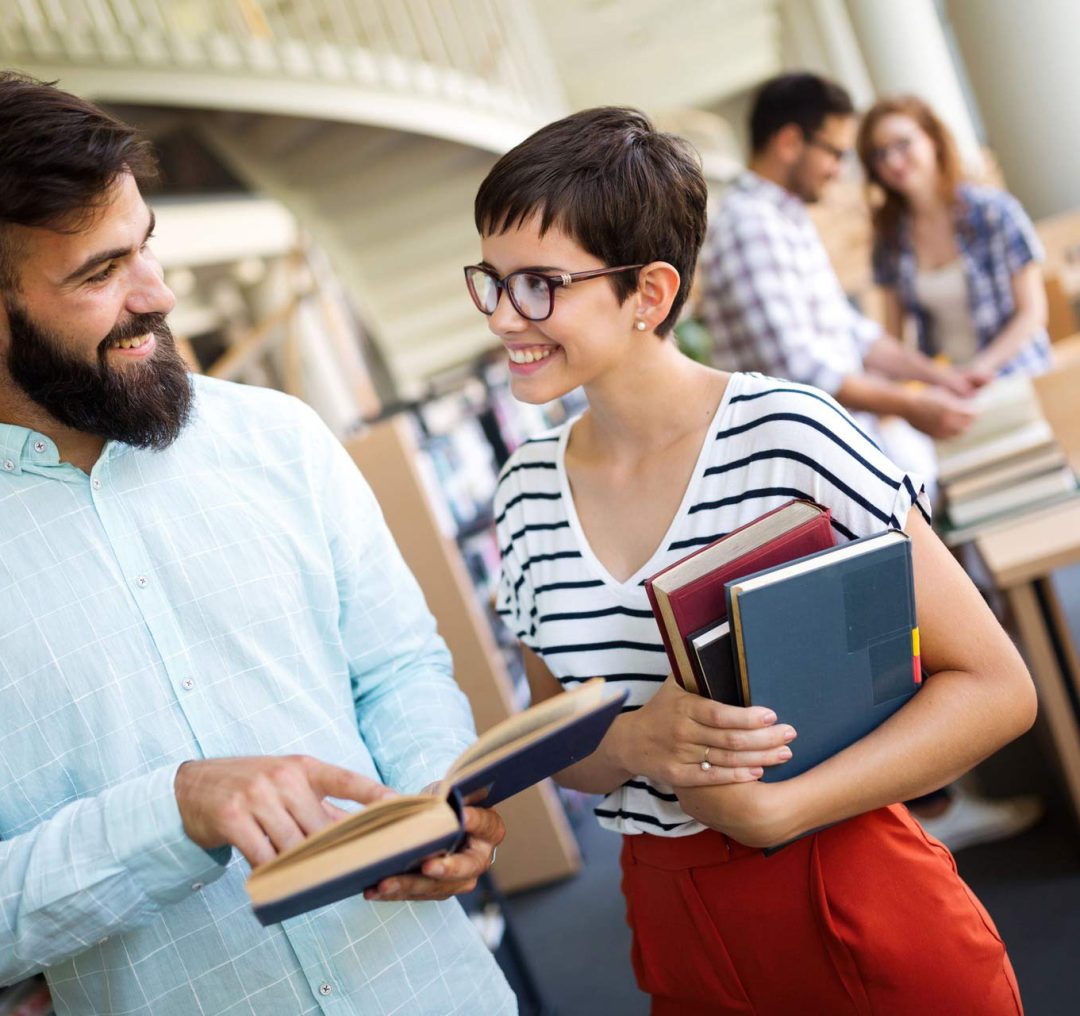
(688, 596)
(395, 836)
(1008, 460)
(829, 643)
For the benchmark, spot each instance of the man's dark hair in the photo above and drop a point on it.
(802, 99)
(622, 190)
(59, 155)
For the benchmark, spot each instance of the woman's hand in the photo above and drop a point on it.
(666, 740)
(754, 814)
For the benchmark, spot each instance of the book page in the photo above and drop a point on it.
(755, 534)
(524, 726)
(374, 816)
(300, 869)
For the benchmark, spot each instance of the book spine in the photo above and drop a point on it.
(671, 638)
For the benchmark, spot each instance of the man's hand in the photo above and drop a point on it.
(939, 414)
(265, 804)
(446, 876)
(666, 739)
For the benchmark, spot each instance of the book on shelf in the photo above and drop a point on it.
(688, 596)
(830, 643)
(395, 836)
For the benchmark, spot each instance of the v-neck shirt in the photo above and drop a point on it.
(770, 441)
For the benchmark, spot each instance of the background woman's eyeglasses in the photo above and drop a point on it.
(532, 294)
(901, 146)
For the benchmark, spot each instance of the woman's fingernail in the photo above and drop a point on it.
(789, 734)
(768, 718)
(756, 771)
(784, 754)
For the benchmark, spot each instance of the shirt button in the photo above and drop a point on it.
(9, 465)
(325, 989)
(39, 446)
(102, 941)
(142, 582)
(95, 483)
(187, 684)
(196, 886)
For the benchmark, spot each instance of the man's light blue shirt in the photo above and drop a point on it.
(235, 594)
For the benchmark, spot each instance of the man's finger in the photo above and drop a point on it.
(249, 838)
(484, 824)
(333, 781)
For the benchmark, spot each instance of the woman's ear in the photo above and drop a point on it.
(658, 285)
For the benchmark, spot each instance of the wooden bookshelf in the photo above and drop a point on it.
(540, 846)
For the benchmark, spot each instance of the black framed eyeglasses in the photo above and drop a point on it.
(898, 146)
(839, 154)
(532, 293)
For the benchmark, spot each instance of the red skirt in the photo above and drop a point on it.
(868, 916)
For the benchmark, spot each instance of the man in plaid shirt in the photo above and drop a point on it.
(769, 294)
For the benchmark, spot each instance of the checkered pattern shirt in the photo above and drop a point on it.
(996, 239)
(770, 296)
(235, 594)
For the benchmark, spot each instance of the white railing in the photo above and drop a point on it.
(484, 53)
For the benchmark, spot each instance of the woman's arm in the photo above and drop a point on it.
(1029, 296)
(979, 698)
(666, 738)
(891, 310)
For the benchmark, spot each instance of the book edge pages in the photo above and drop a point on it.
(701, 563)
(274, 881)
(506, 749)
(1011, 498)
(1033, 435)
(525, 725)
(855, 548)
(1008, 471)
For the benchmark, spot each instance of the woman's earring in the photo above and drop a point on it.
(640, 325)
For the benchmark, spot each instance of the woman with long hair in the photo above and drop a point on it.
(962, 259)
(589, 233)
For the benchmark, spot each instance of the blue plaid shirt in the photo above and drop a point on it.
(235, 594)
(996, 239)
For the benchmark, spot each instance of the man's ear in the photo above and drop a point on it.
(788, 143)
(658, 285)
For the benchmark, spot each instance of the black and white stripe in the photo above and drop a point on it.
(770, 441)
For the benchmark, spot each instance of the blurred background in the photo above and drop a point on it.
(320, 159)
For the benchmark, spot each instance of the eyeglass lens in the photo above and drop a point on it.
(529, 293)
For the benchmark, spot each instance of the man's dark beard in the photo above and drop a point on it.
(145, 404)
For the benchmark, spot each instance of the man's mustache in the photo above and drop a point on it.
(140, 324)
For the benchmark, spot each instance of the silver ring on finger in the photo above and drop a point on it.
(705, 764)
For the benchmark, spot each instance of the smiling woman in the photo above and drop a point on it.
(669, 455)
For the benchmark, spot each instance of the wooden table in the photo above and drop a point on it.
(1021, 557)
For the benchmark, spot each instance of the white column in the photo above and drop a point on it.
(818, 36)
(1021, 59)
(905, 50)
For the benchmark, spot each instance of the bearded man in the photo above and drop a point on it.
(206, 633)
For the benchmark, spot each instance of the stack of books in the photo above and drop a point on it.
(1006, 462)
(775, 614)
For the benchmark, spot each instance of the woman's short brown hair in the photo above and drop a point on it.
(888, 206)
(626, 192)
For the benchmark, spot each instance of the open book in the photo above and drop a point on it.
(395, 836)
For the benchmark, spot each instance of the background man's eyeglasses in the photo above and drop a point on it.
(839, 154)
(531, 293)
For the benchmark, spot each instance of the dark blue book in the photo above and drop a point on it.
(396, 836)
(830, 643)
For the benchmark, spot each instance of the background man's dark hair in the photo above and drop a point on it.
(59, 154)
(627, 193)
(802, 99)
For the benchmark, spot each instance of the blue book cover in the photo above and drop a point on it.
(394, 837)
(830, 643)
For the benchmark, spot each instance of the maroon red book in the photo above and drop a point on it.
(689, 594)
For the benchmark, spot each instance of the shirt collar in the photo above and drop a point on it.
(790, 204)
(21, 447)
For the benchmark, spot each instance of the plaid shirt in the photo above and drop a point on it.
(235, 594)
(996, 239)
(769, 293)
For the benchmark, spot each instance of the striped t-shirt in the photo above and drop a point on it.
(769, 441)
